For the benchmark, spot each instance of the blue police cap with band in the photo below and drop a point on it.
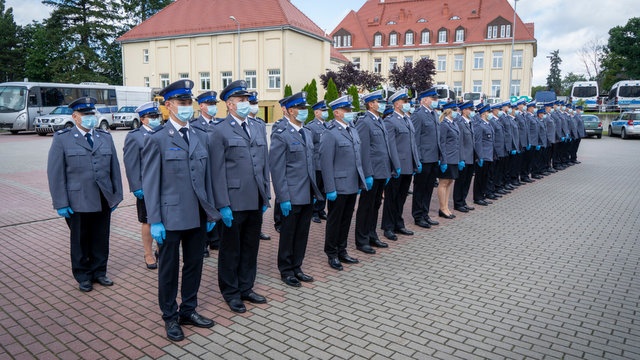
(480, 106)
(283, 101)
(427, 93)
(376, 95)
(541, 111)
(253, 97)
(531, 104)
(398, 95)
(236, 88)
(180, 89)
(579, 107)
(387, 111)
(484, 108)
(521, 102)
(148, 108)
(296, 100)
(549, 104)
(84, 104)
(208, 97)
(450, 105)
(496, 106)
(466, 105)
(320, 105)
(341, 102)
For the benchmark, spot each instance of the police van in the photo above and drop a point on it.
(587, 91)
(624, 95)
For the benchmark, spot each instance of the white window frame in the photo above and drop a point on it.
(515, 87)
(478, 60)
(408, 38)
(460, 35)
(442, 63)
(458, 62)
(425, 37)
(517, 58)
(408, 59)
(393, 63)
(442, 36)
(274, 79)
(183, 75)
(205, 80)
(164, 80)
(496, 59)
(377, 65)
(226, 78)
(502, 31)
(356, 62)
(393, 39)
(377, 40)
(477, 86)
(145, 56)
(457, 88)
(251, 77)
(495, 88)
(146, 81)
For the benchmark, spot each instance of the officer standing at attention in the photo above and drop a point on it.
(402, 142)
(450, 163)
(133, 144)
(378, 166)
(176, 179)
(467, 155)
(341, 164)
(425, 122)
(238, 147)
(293, 176)
(277, 213)
(85, 185)
(317, 127)
(483, 138)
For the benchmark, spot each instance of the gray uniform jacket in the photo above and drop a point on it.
(317, 127)
(483, 138)
(341, 160)
(498, 138)
(203, 124)
(133, 145)
(427, 138)
(176, 178)
(508, 136)
(467, 144)
(551, 129)
(77, 173)
(449, 142)
(523, 130)
(543, 139)
(240, 163)
(580, 124)
(293, 173)
(515, 133)
(573, 126)
(376, 152)
(559, 125)
(533, 129)
(402, 142)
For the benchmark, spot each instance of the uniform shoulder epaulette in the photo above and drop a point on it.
(279, 130)
(199, 129)
(134, 130)
(103, 131)
(62, 131)
(331, 126)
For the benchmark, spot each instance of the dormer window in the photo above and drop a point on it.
(499, 28)
(391, 22)
(342, 38)
(442, 36)
(455, 17)
(377, 39)
(422, 20)
(393, 39)
(460, 34)
(424, 37)
(408, 38)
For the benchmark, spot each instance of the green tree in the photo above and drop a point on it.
(535, 89)
(312, 97)
(353, 91)
(11, 61)
(287, 90)
(622, 52)
(332, 94)
(568, 80)
(140, 10)
(45, 49)
(554, 82)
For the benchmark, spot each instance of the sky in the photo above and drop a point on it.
(559, 24)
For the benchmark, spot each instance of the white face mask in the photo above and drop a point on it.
(254, 109)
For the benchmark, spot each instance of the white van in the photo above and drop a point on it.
(476, 97)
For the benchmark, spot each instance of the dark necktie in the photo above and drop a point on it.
(244, 127)
(89, 139)
(304, 139)
(183, 131)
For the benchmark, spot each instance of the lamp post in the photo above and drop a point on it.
(237, 23)
(513, 39)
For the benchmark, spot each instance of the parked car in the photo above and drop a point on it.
(592, 125)
(626, 125)
(105, 117)
(126, 117)
(57, 119)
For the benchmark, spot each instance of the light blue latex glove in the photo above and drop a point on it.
(513, 152)
(443, 167)
(398, 171)
(387, 181)
(227, 216)
(139, 194)
(315, 201)
(65, 212)
(158, 232)
(438, 162)
(529, 147)
(210, 225)
(332, 196)
(562, 139)
(537, 147)
(368, 181)
(359, 191)
(285, 207)
(114, 208)
(461, 165)
(480, 162)
(419, 168)
(264, 208)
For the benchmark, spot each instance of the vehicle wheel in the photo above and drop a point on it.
(599, 136)
(623, 134)
(112, 127)
(104, 125)
(68, 125)
(13, 132)
(135, 124)
(42, 134)
(610, 132)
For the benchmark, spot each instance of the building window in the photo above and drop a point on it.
(508, 31)
(183, 75)
(356, 62)
(146, 81)
(496, 62)
(408, 59)
(205, 80)
(408, 38)
(145, 56)
(515, 87)
(227, 77)
(393, 39)
(393, 63)
(516, 62)
(424, 57)
(424, 37)
(505, 31)
(377, 40)
(478, 60)
(477, 86)
(442, 36)
(377, 65)
(457, 88)
(458, 62)
(274, 78)
(251, 79)
(164, 80)
(460, 35)
(495, 88)
(347, 40)
(442, 62)
(422, 20)
(336, 41)
(492, 32)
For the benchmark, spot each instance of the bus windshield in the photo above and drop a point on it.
(12, 98)
(443, 93)
(585, 91)
(472, 96)
(629, 91)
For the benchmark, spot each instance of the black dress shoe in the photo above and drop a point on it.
(304, 277)
(430, 221)
(335, 263)
(291, 281)
(443, 215)
(502, 192)
(104, 280)
(461, 209)
(537, 177)
(323, 215)
(197, 320)
(264, 236)
(481, 202)
(390, 235)
(206, 253)
(494, 196)
(509, 187)
(85, 286)
(469, 207)
(174, 331)
(527, 180)
(367, 249)
(378, 243)
(152, 266)
(237, 306)
(316, 219)
(404, 231)
(254, 298)
(345, 258)
(213, 246)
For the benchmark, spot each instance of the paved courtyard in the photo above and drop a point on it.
(549, 271)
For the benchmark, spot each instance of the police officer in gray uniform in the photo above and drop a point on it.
(483, 138)
(467, 156)
(277, 213)
(531, 155)
(176, 179)
(499, 154)
(317, 127)
(293, 176)
(341, 164)
(133, 144)
(208, 103)
(241, 177)
(85, 185)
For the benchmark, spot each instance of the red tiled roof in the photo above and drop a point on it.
(193, 17)
(337, 55)
(403, 15)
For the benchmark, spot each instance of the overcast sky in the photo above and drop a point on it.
(559, 24)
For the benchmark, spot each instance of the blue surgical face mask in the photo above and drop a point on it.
(454, 114)
(185, 113)
(553, 110)
(406, 107)
(439, 113)
(302, 115)
(349, 117)
(254, 109)
(89, 121)
(490, 117)
(433, 105)
(212, 110)
(243, 108)
(325, 115)
(500, 113)
(412, 110)
(509, 111)
(154, 122)
(381, 107)
(472, 114)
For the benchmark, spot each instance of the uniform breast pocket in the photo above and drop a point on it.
(176, 160)
(77, 158)
(238, 148)
(296, 151)
(377, 133)
(344, 145)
